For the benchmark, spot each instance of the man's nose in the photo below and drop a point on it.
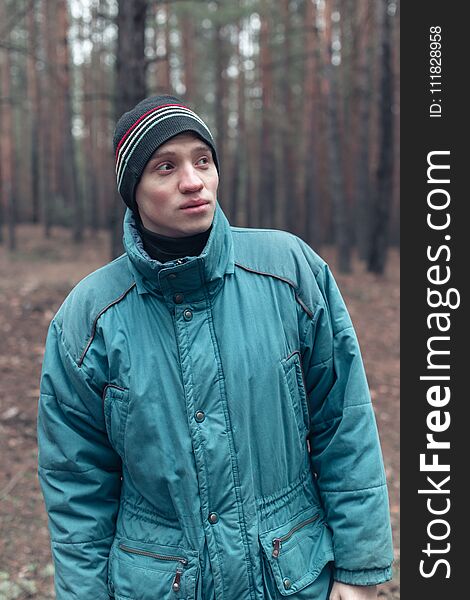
(190, 180)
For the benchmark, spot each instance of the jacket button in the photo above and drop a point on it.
(213, 518)
(287, 583)
(178, 298)
(200, 416)
(188, 314)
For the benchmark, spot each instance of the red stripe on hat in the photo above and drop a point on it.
(140, 119)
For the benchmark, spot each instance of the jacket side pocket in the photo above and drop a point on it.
(115, 405)
(295, 382)
(145, 571)
(295, 555)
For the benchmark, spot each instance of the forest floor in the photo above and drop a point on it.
(33, 282)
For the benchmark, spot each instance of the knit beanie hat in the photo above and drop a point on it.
(140, 131)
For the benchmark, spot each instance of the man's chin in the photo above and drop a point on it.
(191, 229)
(195, 224)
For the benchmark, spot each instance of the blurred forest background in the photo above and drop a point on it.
(303, 99)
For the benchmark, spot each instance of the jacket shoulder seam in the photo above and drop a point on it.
(95, 321)
(295, 287)
(95, 293)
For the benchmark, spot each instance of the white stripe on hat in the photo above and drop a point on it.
(151, 120)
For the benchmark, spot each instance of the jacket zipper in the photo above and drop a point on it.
(176, 585)
(277, 542)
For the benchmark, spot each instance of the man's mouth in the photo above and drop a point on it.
(194, 204)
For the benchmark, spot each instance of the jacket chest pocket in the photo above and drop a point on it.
(295, 556)
(143, 571)
(115, 406)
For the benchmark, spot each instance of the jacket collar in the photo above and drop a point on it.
(192, 273)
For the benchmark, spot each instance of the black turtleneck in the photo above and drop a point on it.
(163, 248)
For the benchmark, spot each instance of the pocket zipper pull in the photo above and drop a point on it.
(176, 581)
(276, 547)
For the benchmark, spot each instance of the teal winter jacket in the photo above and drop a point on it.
(205, 428)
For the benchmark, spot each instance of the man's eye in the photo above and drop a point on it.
(164, 167)
(203, 161)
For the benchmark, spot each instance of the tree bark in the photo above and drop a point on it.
(34, 111)
(238, 192)
(70, 168)
(89, 147)
(166, 66)
(362, 164)
(395, 217)
(130, 84)
(340, 208)
(220, 64)
(309, 185)
(103, 144)
(266, 197)
(187, 30)
(292, 211)
(48, 125)
(6, 140)
(381, 209)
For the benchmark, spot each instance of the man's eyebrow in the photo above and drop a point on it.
(201, 148)
(170, 153)
(163, 154)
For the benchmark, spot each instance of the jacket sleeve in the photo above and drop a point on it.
(79, 472)
(345, 449)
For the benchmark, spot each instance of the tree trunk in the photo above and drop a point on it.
(89, 147)
(362, 163)
(347, 102)
(130, 85)
(395, 217)
(70, 168)
(47, 125)
(166, 66)
(340, 208)
(292, 211)
(381, 209)
(6, 139)
(187, 31)
(103, 144)
(34, 111)
(63, 197)
(266, 186)
(238, 197)
(309, 186)
(220, 64)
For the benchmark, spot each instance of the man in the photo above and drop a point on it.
(205, 427)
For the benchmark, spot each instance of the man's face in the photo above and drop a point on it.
(176, 194)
